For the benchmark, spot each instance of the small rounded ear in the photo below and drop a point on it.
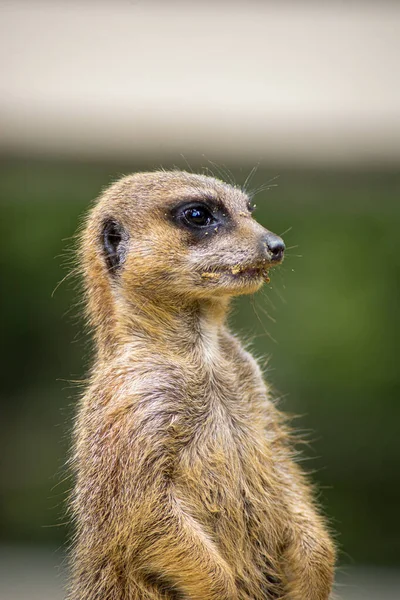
(114, 241)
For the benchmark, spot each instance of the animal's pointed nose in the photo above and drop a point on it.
(275, 246)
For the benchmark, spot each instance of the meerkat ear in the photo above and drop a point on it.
(114, 241)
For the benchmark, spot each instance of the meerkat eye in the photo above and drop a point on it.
(198, 216)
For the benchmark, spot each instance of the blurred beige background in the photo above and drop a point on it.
(291, 80)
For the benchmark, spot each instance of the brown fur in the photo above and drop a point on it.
(186, 485)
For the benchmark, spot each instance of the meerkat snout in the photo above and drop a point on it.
(274, 245)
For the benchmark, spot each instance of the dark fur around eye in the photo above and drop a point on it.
(194, 215)
(198, 216)
(202, 219)
(114, 241)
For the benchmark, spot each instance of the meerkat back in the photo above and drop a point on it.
(186, 485)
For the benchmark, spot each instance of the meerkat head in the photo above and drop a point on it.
(176, 237)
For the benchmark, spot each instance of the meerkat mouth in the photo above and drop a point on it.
(239, 272)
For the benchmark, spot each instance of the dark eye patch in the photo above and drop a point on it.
(200, 218)
(114, 239)
(197, 216)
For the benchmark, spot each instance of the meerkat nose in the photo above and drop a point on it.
(274, 245)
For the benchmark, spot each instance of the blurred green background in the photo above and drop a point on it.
(328, 321)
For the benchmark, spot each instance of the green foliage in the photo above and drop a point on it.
(328, 321)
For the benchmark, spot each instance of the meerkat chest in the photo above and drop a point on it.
(227, 446)
(225, 475)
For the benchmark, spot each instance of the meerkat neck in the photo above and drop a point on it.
(179, 327)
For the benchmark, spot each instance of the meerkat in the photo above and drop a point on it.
(186, 483)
